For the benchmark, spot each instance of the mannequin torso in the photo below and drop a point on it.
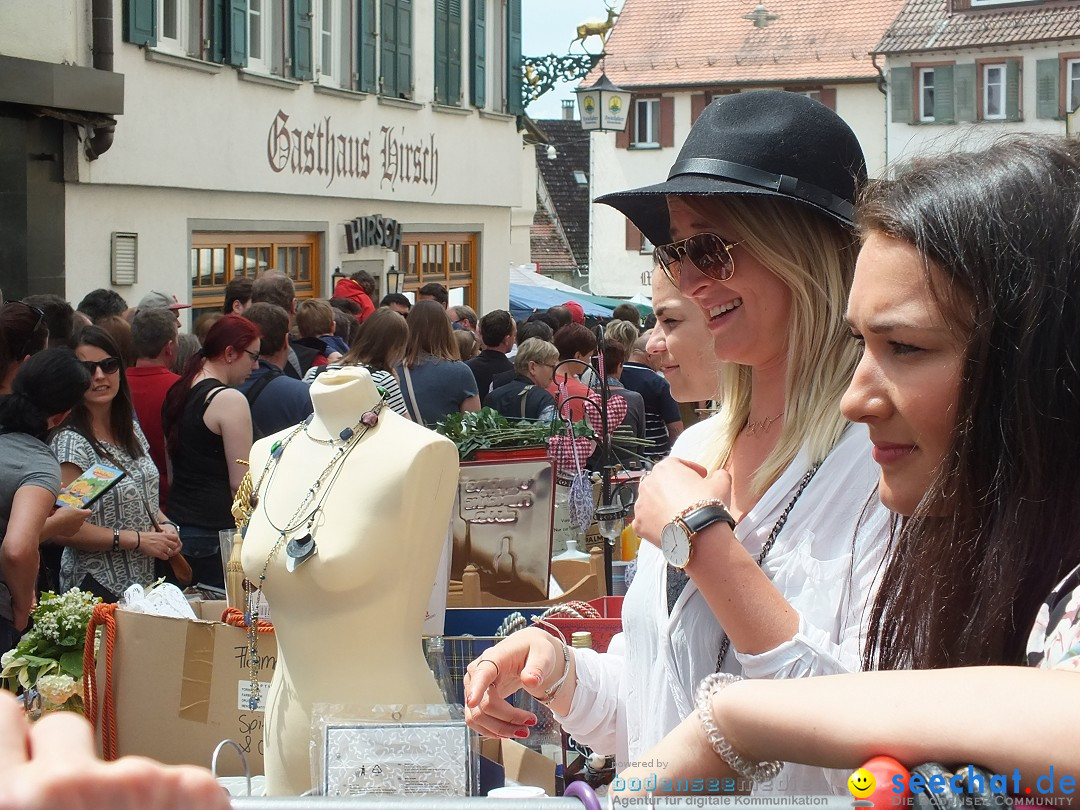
(348, 620)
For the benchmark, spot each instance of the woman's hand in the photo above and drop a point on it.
(51, 764)
(64, 522)
(671, 486)
(531, 659)
(163, 544)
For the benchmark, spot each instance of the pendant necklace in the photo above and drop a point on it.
(298, 550)
(762, 426)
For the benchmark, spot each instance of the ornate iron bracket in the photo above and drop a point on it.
(540, 73)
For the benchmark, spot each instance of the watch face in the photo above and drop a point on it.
(675, 544)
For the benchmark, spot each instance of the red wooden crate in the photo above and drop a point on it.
(603, 629)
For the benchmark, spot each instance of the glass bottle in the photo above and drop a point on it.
(436, 661)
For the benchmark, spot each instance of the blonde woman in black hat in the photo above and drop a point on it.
(763, 533)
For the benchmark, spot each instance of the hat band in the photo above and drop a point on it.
(783, 183)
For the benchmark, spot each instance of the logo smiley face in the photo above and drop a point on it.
(862, 783)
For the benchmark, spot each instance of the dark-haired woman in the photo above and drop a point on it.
(207, 426)
(379, 346)
(45, 388)
(965, 305)
(24, 333)
(435, 380)
(117, 545)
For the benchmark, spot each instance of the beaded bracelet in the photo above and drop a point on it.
(115, 539)
(553, 692)
(758, 772)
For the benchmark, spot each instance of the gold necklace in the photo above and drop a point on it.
(762, 426)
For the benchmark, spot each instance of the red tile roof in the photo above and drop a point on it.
(546, 245)
(928, 25)
(708, 42)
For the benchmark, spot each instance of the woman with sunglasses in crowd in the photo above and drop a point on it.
(45, 388)
(761, 540)
(208, 435)
(966, 305)
(126, 531)
(24, 332)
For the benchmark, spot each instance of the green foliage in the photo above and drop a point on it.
(488, 429)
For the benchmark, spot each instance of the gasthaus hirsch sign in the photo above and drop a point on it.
(323, 149)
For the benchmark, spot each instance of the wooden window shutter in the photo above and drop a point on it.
(404, 48)
(219, 23)
(514, 104)
(1047, 103)
(622, 138)
(1012, 90)
(698, 102)
(965, 92)
(667, 121)
(944, 108)
(442, 51)
(140, 22)
(301, 39)
(902, 95)
(388, 82)
(236, 29)
(633, 237)
(478, 53)
(828, 97)
(453, 89)
(367, 47)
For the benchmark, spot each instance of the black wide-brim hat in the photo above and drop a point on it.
(765, 143)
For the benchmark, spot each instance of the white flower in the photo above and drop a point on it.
(56, 690)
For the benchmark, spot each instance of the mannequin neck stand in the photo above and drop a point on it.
(339, 399)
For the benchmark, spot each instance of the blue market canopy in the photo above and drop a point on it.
(526, 299)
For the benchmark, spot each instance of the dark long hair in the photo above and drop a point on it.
(430, 333)
(1000, 525)
(24, 332)
(49, 383)
(381, 338)
(121, 409)
(232, 331)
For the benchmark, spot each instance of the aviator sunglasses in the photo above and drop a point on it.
(709, 253)
(110, 365)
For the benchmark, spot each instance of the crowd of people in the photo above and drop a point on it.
(869, 542)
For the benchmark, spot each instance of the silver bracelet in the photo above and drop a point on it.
(553, 692)
(758, 772)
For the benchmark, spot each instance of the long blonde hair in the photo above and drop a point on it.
(815, 259)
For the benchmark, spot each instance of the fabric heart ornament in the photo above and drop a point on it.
(616, 412)
(570, 453)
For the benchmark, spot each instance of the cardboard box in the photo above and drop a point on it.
(180, 687)
(502, 760)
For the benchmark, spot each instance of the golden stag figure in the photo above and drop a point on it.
(595, 28)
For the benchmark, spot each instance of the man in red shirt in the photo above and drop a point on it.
(153, 338)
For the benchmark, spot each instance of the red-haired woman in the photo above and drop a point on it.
(207, 429)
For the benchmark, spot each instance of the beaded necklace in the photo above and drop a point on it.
(298, 550)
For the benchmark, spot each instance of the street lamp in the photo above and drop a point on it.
(603, 106)
(393, 280)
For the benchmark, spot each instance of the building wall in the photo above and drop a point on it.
(616, 271)
(46, 30)
(907, 140)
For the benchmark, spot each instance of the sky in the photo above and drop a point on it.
(548, 26)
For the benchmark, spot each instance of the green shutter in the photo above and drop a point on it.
(236, 27)
(901, 95)
(140, 22)
(453, 87)
(367, 47)
(404, 48)
(388, 63)
(1046, 88)
(219, 15)
(1012, 90)
(478, 51)
(301, 39)
(442, 56)
(943, 95)
(965, 90)
(514, 104)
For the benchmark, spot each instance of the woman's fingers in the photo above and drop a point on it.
(14, 731)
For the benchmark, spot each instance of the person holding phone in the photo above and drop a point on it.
(117, 546)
